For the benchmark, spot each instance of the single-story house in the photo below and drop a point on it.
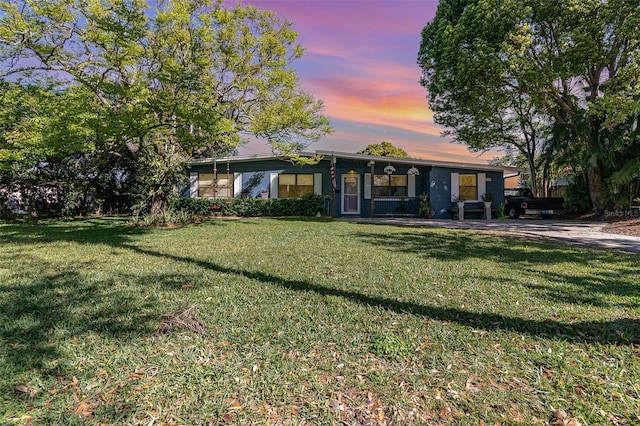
(354, 184)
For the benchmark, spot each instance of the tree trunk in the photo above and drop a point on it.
(534, 175)
(597, 187)
(595, 168)
(159, 204)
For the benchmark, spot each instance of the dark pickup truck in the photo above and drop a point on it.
(519, 201)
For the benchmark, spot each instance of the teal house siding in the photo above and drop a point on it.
(443, 192)
(256, 175)
(396, 189)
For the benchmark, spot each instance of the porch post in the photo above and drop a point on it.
(372, 164)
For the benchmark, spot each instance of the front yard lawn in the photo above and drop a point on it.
(291, 321)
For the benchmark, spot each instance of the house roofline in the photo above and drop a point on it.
(419, 162)
(360, 157)
(239, 158)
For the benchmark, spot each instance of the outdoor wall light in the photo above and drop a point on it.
(389, 169)
(413, 171)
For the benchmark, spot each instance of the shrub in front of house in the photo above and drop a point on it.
(308, 205)
(195, 206)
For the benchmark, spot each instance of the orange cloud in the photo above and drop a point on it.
(361, 61)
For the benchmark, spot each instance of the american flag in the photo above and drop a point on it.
(333, 174)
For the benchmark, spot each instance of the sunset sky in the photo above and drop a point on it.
(361, 61)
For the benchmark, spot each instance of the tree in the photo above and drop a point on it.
(46, 147)
(384, 149)
(471, 88)
(169, 81)
(500, 72)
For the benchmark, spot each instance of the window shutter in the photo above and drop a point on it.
(367, 186)
(455, 185)
(273, 185)
(482, 185)
(411, 185)
(237, 185)
(317, 183)
(193, 184)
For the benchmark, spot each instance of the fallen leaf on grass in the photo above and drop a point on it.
(86, 408)
(25, 419)
(235, 406)
(73, 384)
(358, 408)
(27, 390)
(515, 413)
(181, 319)
(136, 375)
(560, 418)
(472, 385)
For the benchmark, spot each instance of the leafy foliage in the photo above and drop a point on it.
(556, 81)
(308, 205)
(166, 82)
(384, 149)
(390, 346)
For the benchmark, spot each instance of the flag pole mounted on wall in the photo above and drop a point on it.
(332, 170)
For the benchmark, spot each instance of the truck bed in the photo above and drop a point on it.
(521, 201)
(543, 203)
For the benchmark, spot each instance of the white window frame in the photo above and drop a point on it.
(481, 183)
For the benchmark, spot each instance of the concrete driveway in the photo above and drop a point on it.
(588, 234)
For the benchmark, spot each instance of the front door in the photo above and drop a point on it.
(351, 194)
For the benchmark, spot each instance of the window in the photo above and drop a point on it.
(294, 186)
(209, 187)
(390, 185)
(468, 186)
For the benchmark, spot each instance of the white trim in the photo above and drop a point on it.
(357, 176)
(193, 184)
(317, 183)
(482, 185)
(367, 186)
(411, 185)
(273, 184)
(237, 185)
(455, 186)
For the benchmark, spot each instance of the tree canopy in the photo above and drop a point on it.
(558, 81)
(384, 149)
(164, 83)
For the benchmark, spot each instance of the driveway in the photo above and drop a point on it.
(588, 234)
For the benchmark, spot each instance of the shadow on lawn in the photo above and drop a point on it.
(56, 303)
(108, 230)
(529, 258)
(624, 331)
(44, 304)
(61, 304)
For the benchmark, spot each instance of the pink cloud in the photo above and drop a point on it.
(361, 61)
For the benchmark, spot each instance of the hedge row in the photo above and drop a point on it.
(308, 205)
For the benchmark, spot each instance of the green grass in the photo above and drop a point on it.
(312, 321)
